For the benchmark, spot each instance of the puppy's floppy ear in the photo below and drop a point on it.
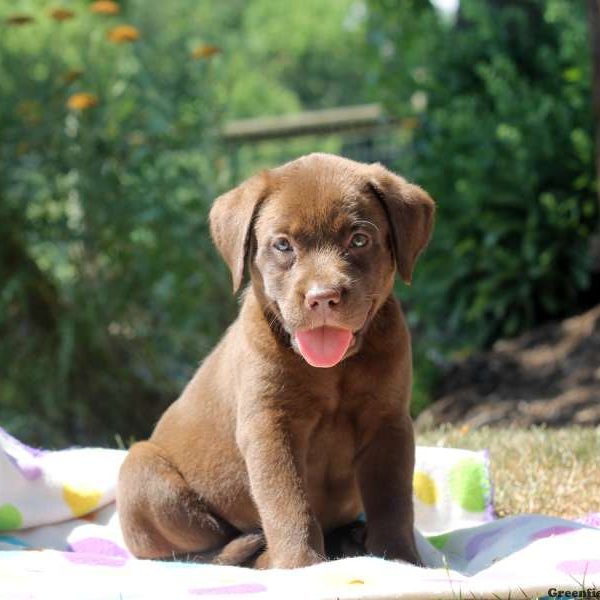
(410, 212)
(231, 218)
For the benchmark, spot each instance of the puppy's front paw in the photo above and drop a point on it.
(303, 558)
(397, 549)
(410, 555)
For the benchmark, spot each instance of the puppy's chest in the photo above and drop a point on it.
(331, 466)
(338, 437)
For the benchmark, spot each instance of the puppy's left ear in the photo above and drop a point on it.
(410, 212)
(231, 218)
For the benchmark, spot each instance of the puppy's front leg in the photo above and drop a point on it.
(275, 459)
(385, 477)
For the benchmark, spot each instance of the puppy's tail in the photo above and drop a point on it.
(242, 550)
(239, 552)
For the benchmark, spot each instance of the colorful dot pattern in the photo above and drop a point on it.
(424, 488)
(469, 485)
(451, 486)
(81, 500)
(10, 517)
(39, 487)
(450, 489)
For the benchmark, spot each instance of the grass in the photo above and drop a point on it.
(539, 470)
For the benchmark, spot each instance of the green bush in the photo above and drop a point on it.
(504, 143)
(111, 290)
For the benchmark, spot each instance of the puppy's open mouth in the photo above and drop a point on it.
(323, 346)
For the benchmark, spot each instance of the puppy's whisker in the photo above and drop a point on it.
(365, 223)
(271, 310)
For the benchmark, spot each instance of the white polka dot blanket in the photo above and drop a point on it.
(60, 538)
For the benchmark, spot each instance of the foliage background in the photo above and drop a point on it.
(110, 290)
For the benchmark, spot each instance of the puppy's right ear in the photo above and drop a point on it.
(231, 218)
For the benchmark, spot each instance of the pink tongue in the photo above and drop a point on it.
(323, 346)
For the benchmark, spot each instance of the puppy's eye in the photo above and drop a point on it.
(359, 240)
(282, 244)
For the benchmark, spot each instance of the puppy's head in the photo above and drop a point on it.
(323, 237)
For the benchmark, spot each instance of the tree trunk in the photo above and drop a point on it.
(594, 25)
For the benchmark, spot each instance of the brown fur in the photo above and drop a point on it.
(261, 440)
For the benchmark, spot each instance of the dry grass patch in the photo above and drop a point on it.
(549, 471)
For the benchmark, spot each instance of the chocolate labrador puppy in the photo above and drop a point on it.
(298, 421)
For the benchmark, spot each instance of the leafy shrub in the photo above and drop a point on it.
(111, 290)
(110, 154)
(504, 142)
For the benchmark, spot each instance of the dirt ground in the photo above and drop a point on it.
(550, 376)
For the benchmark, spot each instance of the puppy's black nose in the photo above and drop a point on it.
(323, 298)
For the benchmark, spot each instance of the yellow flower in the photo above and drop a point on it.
(18, 20)
(409, 123)
(72, 75)
(205, 51)
(123, 34)
(82, 101)
(61, 14)
(105, 7)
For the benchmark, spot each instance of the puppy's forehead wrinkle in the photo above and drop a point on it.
(315, 219)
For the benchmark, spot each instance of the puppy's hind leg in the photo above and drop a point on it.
(161, 516)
